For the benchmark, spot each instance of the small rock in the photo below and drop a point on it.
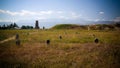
(96, 40)
(60, 37)
(48, 42)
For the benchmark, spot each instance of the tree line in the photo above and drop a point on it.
(15, 26)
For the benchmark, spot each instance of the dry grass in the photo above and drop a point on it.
(72, 51)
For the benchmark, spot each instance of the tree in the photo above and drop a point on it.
(4, 27)
(0, 27)
(10, 26)
(117, 24)
(23, 27)
(15, 25)
(26, 27)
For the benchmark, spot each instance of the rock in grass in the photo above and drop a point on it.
(17, 36)
(48, 42)
(17, 42)
(60, 37)
(96, 40)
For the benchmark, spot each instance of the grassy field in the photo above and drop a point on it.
(76, 49)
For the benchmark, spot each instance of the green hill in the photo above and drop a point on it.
(67, 26)
(91, 27)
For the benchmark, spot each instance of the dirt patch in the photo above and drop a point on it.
(8, 39)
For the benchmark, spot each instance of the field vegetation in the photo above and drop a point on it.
(76, 48)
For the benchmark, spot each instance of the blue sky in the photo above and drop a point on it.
(51, 12)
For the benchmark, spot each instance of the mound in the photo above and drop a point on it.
(67, 26)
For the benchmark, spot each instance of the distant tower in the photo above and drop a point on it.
(36, 25)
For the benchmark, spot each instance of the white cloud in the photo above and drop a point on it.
(4, 20)
(117, 19)
(2, 11)
(96, 20)
(60, 12)
(101, 12)
(8, 12)
(75, 16)
(63, 17)
(26, 12)
(46, 12)
(41, 18)
(12, 13)
(50, 14)
(42, 15)
(90, 19)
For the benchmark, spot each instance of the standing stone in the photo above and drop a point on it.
(48, 42)
(60, 37)
(17, 36)
(17, 40)
(96, 40)
(36, 25)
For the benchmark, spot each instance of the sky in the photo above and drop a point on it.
(52, 12)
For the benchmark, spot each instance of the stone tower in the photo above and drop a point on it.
(36, 25)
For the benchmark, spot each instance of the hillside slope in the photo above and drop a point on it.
(68, 26)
